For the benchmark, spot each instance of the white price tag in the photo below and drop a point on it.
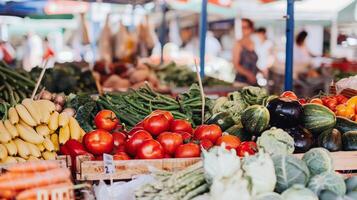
(109, 167)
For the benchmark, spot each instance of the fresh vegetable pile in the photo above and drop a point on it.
(133, 106)
(14, 86)
(249, 112)
(261, 176)
(182, 76)
(34, 129)
(24, 180)
(66, 78)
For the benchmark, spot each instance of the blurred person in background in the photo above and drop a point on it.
(7, 53)
(191, 42)
(264, 50)
(244, 56)
(302, 55)
(33, 51)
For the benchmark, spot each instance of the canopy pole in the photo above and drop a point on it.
(289, 52)
(162, 36)
(203, 30)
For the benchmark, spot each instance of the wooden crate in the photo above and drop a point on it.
(342, 160)
(87, 170)
(126, 169)
(63, 161)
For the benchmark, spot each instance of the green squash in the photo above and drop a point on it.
(349, 141)
(330, 140)
(344, 125)
(238, 130)
(318, 118)
(255, 119)
(222, 119)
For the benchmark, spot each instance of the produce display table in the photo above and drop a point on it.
(87, 170)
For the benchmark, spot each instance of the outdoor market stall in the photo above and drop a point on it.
(161, 145)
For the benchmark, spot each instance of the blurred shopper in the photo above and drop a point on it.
(7, 52)
(264, 50)
(33, 51)
(302, 56)
(244, 57)
(192, 43)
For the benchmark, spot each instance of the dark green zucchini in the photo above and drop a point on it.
(238, 130)
(345, 125)
(222, 119)
(349, 141)
(330, 140)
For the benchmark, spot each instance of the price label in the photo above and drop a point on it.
(109, 167)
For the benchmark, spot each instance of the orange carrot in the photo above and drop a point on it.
(40, 179)
(9, 176)
(32, 193)
(34, 166)
(8, 194)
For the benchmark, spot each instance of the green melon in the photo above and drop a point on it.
(255, 119)
(318, 118)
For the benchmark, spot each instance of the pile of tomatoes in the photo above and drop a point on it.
(341, 105)
(158, 136)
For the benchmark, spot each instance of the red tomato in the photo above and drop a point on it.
(73, 148)
(188, 150)
(211, 132)
(156, 124)
(170, 141)
(231, 141)
(99, 141)
(206, 144)
(119, 139)
(121, 148)
(247, 147)
(106, 120)
(341, 99)
(181, 125)
(133, 143)
(331, 103)
(150, 149)
(289, 95)
(121, 156)
(302, 101)
(185, 136)
(167, 114)
(134, 129)
(316, 100)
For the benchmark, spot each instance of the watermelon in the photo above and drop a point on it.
(255, 119)
(318, 118)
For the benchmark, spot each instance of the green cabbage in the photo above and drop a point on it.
(328, 181)
(262, 180)
(289, 170)
(276, 141)
(318, 160)
(299, 192)
(268, 196)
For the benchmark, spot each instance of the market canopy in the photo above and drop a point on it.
(25, 8)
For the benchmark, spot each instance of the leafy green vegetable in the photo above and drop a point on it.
(254, 95)
(262, 180)
(268, 196)
(327, 181)
(318, 160)
(276, 141)
(298, 192)
(289, 171)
